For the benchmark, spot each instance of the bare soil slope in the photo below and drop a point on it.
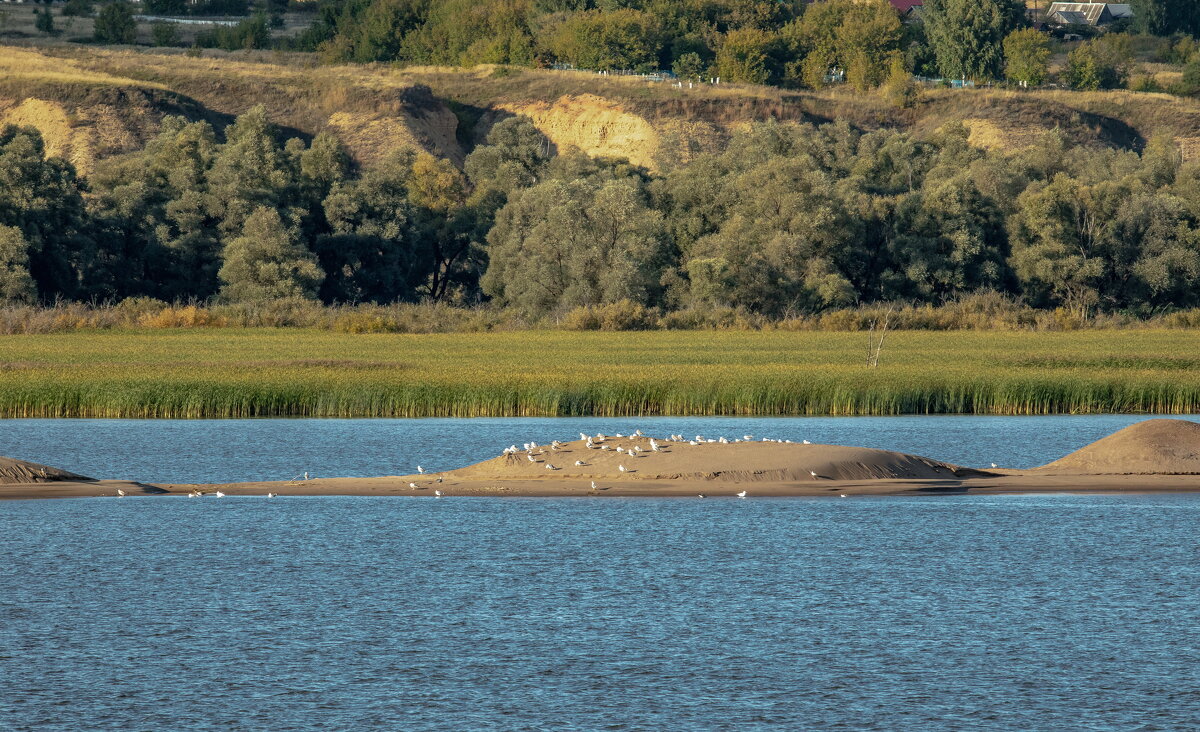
(1153, 447)
(14, 472)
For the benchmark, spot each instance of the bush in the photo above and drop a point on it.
(365, 322)
(78, 8)
(164, 34)
(115, 24)
(621, 315)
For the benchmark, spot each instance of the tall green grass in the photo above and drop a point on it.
(296, 372)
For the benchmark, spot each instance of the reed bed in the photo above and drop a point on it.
(261, 372)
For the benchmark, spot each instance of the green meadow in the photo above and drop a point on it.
(296, 372)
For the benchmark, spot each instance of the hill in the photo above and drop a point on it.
(1156, 446)
(93, 103)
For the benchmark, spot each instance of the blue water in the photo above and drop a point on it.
(182, 451)
(949, 613)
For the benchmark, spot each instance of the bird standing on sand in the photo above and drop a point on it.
(272, 495)
(813, 473)
(413, 486)
(843, 495)
(120, 493)
(420, 470)
(806, 442)
(594, 486)
(742, 494)
(995, 465)
(550, 467)
(622, 468)
(578, 462)
(530, 456)
(219, 494)
(193, 494)
(437, 494)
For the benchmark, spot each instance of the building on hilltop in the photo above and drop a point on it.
(1093, 14)
(908, 9)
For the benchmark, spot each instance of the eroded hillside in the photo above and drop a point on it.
(93, 103)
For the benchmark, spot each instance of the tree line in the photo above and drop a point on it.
(788, 219)
(785, 42)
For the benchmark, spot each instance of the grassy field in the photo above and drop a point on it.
(294, 372)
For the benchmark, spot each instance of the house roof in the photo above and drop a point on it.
(1088, 13)
(905, 6)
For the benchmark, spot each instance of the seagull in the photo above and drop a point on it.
(219, 494)
(653, 444)
(272, 495)
(622, 468)
(813, 473)
(806, 442)
(413, 486)
(700, 496)
(723, 441)
(579, 462)
(742, 494)
(594, 485)
(550, 467)
(420, 470)
(306, 475)
(120, 493)
(193, 494)
(843, 495)
(693, 442)
(995, 465)
(747, 438)
(437, 493)
(606, 447)
(530, 456)
(620, 449)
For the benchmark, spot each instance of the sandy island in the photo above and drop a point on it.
(1158, 455)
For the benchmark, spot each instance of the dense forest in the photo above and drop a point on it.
(788, 219)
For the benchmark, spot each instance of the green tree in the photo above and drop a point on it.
(16, 284)
(571, 242)
(1165, 17)
(45, 21)
(164, 34)
(1103, 63)
(688, 66)
(1026, 56)
(115, 24)
(42, 198)
(744, 56)
(267, 262)
(967, 36)
(514, 155)
(608, 40)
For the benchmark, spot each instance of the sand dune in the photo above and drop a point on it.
(1153, 447)
(710, 461)
(1161, 455)
(20, 472)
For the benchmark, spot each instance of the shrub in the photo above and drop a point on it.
(115, 24)
(164, 34)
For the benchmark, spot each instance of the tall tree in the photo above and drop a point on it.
(1165, 17)
(16, 284)
(267, 262)
(967, 36)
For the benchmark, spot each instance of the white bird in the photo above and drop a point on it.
(742, 494)
(219, 494)
(530, 456)
(620, 449)
(272, 495)
(594, 485)
(605, 447)
(701, 496)
(637, 433)
(306, 475)
(653, 444)
(747, 438)
(120, 493)
(622, 468)
(584, 437)
(693, 442)
(437, 493)
(193, 494)
(813, 473)
(413, 486)
(806, 442)
(620, 435)
(420, 470)
(579, 462)
(550, 467)
(723, 441)
(995, 465)
(843, 495)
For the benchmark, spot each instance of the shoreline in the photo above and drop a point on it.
(1011, 484)
(1155, 456)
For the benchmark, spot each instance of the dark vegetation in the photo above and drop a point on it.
(787, 221)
